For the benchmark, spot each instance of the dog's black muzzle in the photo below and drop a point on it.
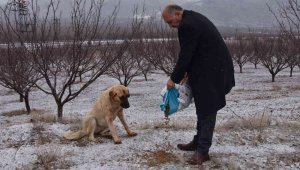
(125, 105)
(124, 102)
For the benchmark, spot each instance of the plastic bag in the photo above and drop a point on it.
(176, 99)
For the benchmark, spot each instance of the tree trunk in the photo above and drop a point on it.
(21, 98)
(255, 65)
(291, 71)
(80, 77)
(145, 75)
(26, 97)
(59, 111)
(273, 77)
(125, 83)
(241, 68)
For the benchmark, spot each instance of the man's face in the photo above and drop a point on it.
(172, 20)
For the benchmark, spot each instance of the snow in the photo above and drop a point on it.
(25, 144)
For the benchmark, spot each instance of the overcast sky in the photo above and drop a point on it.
(221, 12)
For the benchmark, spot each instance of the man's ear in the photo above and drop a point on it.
(177, 13)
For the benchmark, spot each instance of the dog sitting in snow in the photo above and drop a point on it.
(100, 119)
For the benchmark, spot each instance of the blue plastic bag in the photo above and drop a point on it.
(176, 99)
(170, 103)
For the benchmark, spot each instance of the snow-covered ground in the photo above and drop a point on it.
(258, 129)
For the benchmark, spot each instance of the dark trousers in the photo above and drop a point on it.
(205, 128)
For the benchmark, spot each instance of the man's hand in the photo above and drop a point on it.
(170, 84)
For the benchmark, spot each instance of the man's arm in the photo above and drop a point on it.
(188, 44)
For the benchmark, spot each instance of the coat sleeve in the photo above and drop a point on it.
(188, 38)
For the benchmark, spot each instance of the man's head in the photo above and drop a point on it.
(172, 15)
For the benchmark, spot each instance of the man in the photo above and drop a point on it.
(208, 64)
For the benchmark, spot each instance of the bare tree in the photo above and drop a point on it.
(292, 52)
(254, 59)
(15, 65)
(136, 62)
(125, 68)
(287, 14)
(139, 50)
(298, 56)
(271, 53)
(240, 49)
(16, 73)
(298, 60)
(67, 53)
(162, 48)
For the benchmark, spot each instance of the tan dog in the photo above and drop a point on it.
(100, 119)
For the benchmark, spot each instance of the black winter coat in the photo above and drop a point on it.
(207, 61)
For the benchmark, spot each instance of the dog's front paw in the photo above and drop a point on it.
(132, 134)
(92, 139)
(118, 141)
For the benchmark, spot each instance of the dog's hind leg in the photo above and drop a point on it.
(90, 126)
(106, 133)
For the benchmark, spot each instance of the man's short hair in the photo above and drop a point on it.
(173, 8)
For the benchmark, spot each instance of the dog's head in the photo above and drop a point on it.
(120, 94)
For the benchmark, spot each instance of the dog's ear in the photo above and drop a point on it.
(112, 93)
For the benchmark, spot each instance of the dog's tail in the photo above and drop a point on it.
(74, 135)
(88, 127)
